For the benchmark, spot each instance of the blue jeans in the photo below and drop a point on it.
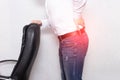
(72, 53)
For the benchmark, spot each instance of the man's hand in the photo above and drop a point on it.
(79, 21)
(37, 22)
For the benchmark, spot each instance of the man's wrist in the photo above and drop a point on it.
(79, 21)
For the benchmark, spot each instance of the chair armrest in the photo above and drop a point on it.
(8, 61)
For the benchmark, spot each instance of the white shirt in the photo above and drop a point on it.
(61, 14)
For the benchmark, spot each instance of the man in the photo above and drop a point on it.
(64, 17)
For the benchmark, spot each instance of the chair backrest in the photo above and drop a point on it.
(29, 49)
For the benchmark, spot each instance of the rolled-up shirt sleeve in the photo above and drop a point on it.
(78, 7)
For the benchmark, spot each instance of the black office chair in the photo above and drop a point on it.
(29, 49)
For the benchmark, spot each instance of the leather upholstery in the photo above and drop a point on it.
(29, 49)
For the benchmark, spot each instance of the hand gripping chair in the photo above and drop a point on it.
(29, 49)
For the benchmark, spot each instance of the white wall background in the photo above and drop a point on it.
(102, 24)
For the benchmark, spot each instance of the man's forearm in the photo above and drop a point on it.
(78, 6)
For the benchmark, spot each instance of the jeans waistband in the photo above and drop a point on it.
(81, 31)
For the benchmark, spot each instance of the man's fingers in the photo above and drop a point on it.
(36, 21)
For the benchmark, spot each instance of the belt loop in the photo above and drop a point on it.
(83, 30)
(59, 38)
(79, 32)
